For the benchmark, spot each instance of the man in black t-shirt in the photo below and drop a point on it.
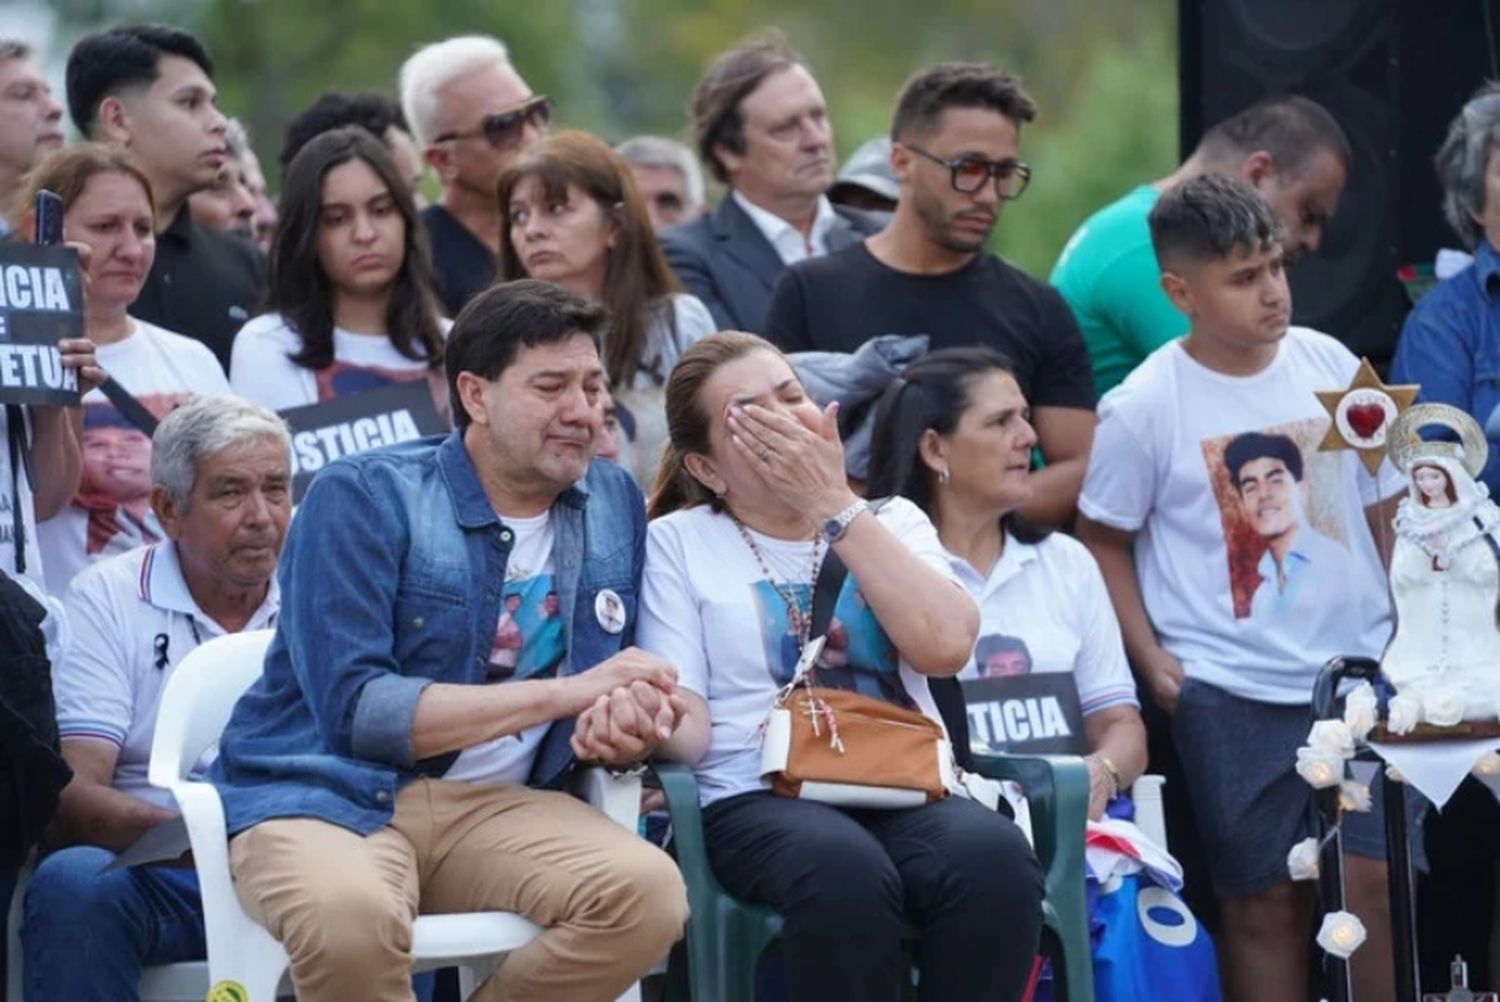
(150, 89)
(956, 141)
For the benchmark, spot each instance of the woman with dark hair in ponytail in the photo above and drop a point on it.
(749, 503)
(953, 435)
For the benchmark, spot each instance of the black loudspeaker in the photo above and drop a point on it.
(1394, 73)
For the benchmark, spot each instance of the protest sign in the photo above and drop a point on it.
(41, 303)
(348, 425)
(1034, 713)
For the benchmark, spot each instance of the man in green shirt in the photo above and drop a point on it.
(1289, 149)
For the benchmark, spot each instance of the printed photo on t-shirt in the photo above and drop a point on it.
(115, 490)
(345, 379)
(1000, 655)
(1279, 503)
(857, 655)
(529, 634)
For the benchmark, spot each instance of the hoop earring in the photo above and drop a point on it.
(944, 476)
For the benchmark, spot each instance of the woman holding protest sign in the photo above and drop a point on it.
(350, 292)
(570, 213)
(953, 435)
(108, 209)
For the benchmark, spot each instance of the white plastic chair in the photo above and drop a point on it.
(195, 706)
(1146, 793)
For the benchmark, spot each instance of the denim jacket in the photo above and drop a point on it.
(390, 581)
(1450, 344)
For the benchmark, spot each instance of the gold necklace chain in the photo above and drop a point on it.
(801, 619)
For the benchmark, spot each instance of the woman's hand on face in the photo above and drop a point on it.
(804, 468)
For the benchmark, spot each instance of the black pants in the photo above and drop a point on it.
(843, 880)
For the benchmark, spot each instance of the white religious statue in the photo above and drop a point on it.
(1445, 571)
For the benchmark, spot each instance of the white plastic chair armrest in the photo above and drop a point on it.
(618, 796)
(1149, 817)
(238, 948)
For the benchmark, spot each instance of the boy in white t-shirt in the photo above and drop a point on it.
(1240, 558)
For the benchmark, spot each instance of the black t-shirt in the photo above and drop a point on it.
(461, 263)
(203, 285)
(839, 301)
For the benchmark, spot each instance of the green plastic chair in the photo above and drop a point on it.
(726, 936)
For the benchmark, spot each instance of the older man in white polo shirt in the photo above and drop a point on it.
(221, 476)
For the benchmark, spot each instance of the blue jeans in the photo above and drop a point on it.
(85, 935)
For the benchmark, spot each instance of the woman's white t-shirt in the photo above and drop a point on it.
(111, 513)
(1044, 608)
(261, 368)
(644, 400)
(708, 609)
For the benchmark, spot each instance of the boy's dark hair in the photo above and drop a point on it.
(1254, 445)
(714, 108)
(930, 92)
(107, 62)
(490, 331)
(1206, 218)
(1292, 128)
(370, 110)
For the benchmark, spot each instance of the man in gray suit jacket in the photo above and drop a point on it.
(761, 127)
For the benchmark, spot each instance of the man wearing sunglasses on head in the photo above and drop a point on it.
(956, 154)
(473, 115)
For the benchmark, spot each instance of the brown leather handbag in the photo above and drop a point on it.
(844, 748)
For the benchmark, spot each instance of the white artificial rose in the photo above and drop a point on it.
(1444, 705)
(1354, 796)
(1393, 774)
(1321, 769)
(1331, 736)
(1341, 934)
(1403, 713)
(1361, 710)
(1302, 861)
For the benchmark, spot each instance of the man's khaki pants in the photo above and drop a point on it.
(342, 904)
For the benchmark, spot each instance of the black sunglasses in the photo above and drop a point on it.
(969, 174)
(503, 129)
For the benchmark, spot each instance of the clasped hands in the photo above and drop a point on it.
(635, 707)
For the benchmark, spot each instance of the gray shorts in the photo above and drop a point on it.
(1239, 758)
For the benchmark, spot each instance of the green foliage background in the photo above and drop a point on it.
(1102, 71)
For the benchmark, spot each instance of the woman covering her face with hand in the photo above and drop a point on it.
(350, 288)
(751, 500)
(571, 214)
(108, 208)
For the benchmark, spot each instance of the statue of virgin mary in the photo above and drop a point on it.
(1445, 566)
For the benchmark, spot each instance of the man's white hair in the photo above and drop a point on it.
(432, 67)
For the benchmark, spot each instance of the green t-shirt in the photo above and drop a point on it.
(1108, 275)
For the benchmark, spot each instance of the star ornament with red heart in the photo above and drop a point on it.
(1362, 414)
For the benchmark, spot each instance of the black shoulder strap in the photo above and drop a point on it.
(132, 409)
(20, 465)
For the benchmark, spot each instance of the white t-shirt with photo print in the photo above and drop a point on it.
(529, 643)
(708, 609)
(111, 513)
(1048, 600)
(1222, 602)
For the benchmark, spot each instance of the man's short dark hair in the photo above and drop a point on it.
(371, 111)
(492, 329)
(930, 92)
(999, 643)
(1207, 218)
(715, 105)
(1253, 445)
(1292, 128)
(107, 62)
